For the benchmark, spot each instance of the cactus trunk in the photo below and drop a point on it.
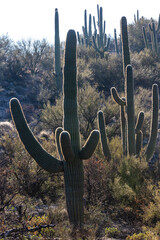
(73, 170)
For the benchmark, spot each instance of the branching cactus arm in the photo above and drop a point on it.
(103, 135)
(90, 145)
(45, 160)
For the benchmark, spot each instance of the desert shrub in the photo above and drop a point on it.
(148, 235)
(90, 101)
(28, 177)
(135, 34)
(52, 116)
(86, 53)
(112, 232)
(152, 210)
(146, 68)
(106, 74)
(97, 188)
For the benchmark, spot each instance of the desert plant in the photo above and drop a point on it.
(68, 139)
(100, 41)
(131, 144)
(87, 31)
(154, 30)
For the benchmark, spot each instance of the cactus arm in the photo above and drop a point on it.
(139, 123)
(98, 15)
(101, 27)
(85, 23)
(129, 89)
(116, 43)
(138, 131)
(125, 47)
(103, 135)
(150, 27)
(154, 125)
(90, 145)
(45, 160)
(95, 45)
(145, 37)
(104, 29)
(139, 141)
(123, 128)
(94, 23)
(107, 45)
(90, 25)
(58, 72)
(66, 147)
(116, 97)
(78, 37)
(57, 136)
(158, 26)
(84, 36)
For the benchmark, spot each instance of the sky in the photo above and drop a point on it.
(25, 19)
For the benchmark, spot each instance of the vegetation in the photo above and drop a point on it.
(121, 196)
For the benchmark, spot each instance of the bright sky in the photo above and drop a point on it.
(35, 18)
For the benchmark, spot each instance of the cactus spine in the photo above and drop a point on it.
(132, 135)
(100, 41)
(58, 71)
(67, 138)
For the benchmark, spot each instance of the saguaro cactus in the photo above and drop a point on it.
(58, 70)
(100, 41)
(136, 17)
(67, 138)
(87, 29)
(154, 30)
(131, 134)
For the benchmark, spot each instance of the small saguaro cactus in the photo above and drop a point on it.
(87, 30)
(57, 61)
(100, 41)
(131, 134)
(67, 138)
(154, 30)
(136, 17)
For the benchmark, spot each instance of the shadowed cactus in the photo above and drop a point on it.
(67, 138)
(131, 134)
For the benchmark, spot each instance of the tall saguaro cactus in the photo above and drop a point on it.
(58, 70)
(67, 138)
(131, 134)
